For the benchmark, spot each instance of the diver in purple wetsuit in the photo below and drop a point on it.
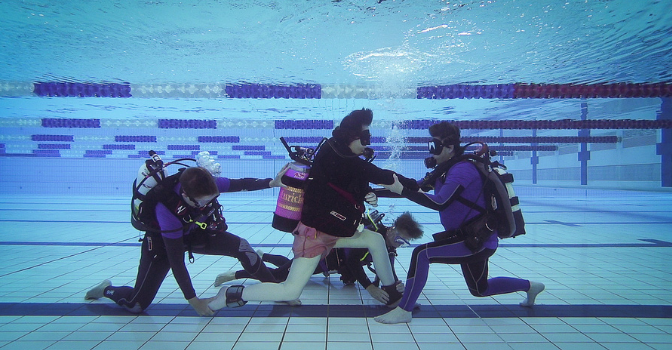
(460, 185)
(183, 227)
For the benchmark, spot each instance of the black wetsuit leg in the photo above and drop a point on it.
(277, 260)
(154, 267)
(280, 273)
(228, 244)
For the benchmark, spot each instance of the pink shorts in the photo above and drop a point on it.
(309, 242)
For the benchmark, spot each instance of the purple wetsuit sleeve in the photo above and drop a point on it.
(462, 180)
(438, 201)
(223, 184)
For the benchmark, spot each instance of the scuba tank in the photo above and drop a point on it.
(150, 173)
(290, 200)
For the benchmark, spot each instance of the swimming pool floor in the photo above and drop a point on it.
(604, 259)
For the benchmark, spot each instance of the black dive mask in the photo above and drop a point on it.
(435, 146)
(198, 205)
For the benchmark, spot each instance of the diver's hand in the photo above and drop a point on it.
(371, 198)
(277, 182)
(396, 187)
(378, 293)
(400, 286)
(201, 306)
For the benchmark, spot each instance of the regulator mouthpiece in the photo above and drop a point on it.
(430, 162)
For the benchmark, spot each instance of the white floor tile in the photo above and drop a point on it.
(578, 280)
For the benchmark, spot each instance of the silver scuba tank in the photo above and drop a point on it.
(150, 173)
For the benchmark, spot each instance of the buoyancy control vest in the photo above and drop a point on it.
(501, 202)
(152, 187)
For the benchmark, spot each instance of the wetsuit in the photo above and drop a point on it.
(348, 262)
(461, 180)
(164, 251)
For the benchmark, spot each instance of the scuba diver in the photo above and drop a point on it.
(336, 189)
(182, 214)
(348, 262)
(468, 240)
